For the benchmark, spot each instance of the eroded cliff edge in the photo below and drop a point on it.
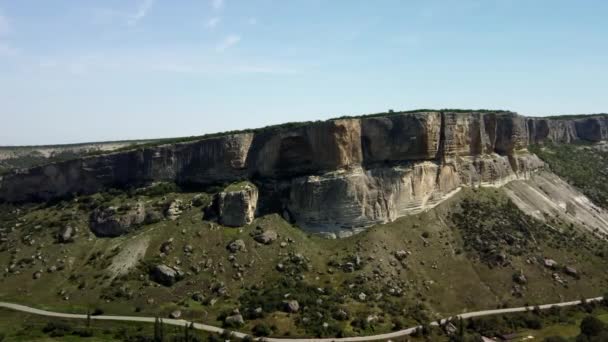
(333, 176)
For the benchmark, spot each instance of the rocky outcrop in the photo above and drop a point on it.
(166, 275)
(342, 174)
(344, 202)
(116, 221)
(236, 206)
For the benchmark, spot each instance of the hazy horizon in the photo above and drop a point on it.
(74, 72)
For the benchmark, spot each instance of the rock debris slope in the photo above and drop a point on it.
(337, 176)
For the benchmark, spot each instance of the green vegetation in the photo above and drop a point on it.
(583, 166)
(346, 287)
(34, 159)
(238, 186)
(574, 116)
(16, 326)
(493, 228)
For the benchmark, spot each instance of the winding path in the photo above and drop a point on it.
(213, 329)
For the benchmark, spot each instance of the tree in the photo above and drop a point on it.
(157, 330)
(186, 333)
(592, 326)
(161, 330)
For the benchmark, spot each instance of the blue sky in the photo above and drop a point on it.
(85, 70)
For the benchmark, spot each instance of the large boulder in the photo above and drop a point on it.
(166, 275)
(174, 210)
(235, 320)
(237, 246)
(291, 306)
(235, 206)
(266, 237)
(116, 221)
(66, 234)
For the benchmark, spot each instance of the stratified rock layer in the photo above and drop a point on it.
(329, 176)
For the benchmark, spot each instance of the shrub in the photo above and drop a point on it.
(592, 326)
(57, 329)
(261, 329)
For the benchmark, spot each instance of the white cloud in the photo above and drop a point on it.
(141, 12)
(228, 42)
(211, 23)
(217, 4)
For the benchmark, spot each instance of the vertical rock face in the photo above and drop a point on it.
(236, 207)
(591, 129)
(315, 148)
(335, 175)
(342, 201)
(221, 159)
(400, 137)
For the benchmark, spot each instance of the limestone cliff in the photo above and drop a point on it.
(336, 175)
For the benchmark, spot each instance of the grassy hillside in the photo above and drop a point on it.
(414, 270)
(584, 166)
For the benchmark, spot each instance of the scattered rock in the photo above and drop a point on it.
(291, 306)
(266, 237)
(236, 246)
(167, 246)
(362, 296)
(558, 279)
(550, 263)
(571, 271)
(175, 314)
(234, 320)
(348, 267)
(166, 275)
(66, 235)
(400, 255)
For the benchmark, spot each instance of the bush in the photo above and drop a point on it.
(261, 329)
(592, 326)
(57, 329)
